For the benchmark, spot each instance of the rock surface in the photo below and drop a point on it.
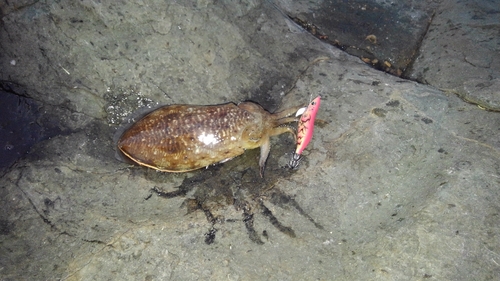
(399, 182)
(460, 52)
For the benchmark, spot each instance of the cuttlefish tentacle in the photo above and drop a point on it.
(264, 153)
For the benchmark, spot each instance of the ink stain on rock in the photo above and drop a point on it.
(237, 184)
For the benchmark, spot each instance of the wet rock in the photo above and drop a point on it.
(459, 54)
(398, 182)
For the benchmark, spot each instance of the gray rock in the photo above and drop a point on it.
(460, 52)
(399, 182)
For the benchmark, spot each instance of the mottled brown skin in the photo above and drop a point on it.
(181, 138)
